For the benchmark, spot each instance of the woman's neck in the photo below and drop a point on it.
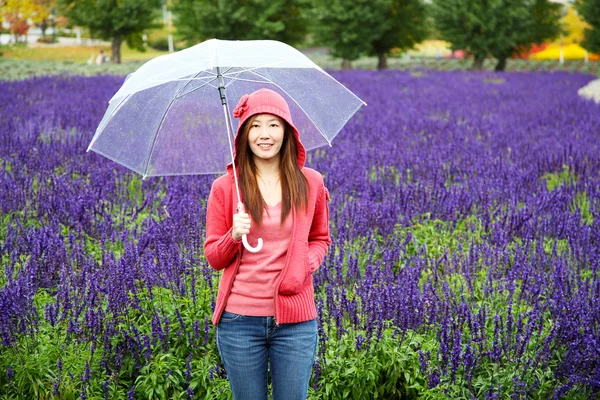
(267, 168)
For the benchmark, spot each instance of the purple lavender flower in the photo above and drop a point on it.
(360, 340)
(131, 393)
(10, 373)
(513, 183)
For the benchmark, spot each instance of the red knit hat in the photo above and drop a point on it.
(266, 101)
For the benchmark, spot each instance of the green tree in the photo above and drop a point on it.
(356, 27)
(406, 25)
(348, 27)
(528, 23)
(114, 20)
(495, 27)
(283, 20)
(590, 11)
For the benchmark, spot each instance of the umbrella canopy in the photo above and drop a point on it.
(167, 118)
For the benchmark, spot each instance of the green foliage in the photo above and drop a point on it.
(386, 369)
(281, 20)
(491, 373)
(160, 43)
(34, 360)
(495, 27)
(557, 179)
(590, 11)
(113, 20)
(379, 369)
(545, 22)
(439, 237)
(352, 28)
(388, 173)
(581, 202)
(406, 26)
(349, 27)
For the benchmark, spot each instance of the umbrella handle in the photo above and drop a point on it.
(247, 246)
(250, 248)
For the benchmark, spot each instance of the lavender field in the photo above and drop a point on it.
(465, 218)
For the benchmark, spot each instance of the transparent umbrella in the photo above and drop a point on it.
(172, 116)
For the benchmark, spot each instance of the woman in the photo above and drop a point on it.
(265, 311)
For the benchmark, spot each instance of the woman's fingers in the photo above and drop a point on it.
(241, 225)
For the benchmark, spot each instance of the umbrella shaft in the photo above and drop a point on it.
(221, 88)
(229, 129)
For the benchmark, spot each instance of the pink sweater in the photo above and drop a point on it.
(308, 244)
(253, 289)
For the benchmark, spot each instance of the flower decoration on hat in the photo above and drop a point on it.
(241, 107)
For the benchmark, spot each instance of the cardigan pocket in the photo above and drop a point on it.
(297, 272)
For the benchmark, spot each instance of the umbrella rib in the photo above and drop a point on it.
(160, 126)
(169, 71)
(234, 75)
(294, 100)
(232, 80)
(193, 90)
(157, 82)
(184, 79)
(316, 67)
(250, 69)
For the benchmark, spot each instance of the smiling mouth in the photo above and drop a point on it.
(265, 146)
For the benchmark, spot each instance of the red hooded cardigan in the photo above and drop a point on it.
(294, 294)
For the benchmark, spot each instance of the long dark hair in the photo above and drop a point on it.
(294, 185)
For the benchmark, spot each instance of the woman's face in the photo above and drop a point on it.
(265, 136)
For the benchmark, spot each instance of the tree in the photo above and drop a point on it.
(463, 23)
(406, 25)
(590, 11)
(527, 23)
(283, 20)
(41, 12)
(114, 20)
(350, 27)
(495, 27)
(18, 12)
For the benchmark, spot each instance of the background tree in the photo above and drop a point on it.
(406, 25)
(41, 13)
(526, 23)
(350, 27)
(16, 13)
(199, 20)
(495, 27)
(590, 11)
(114, 20)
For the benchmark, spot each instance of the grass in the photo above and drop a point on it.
(401, 63)
(19, 62)
(75, 54)
(11, 69)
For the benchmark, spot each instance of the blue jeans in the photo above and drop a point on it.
(247, 346)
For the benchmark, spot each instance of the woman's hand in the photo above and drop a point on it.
(241, 225)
